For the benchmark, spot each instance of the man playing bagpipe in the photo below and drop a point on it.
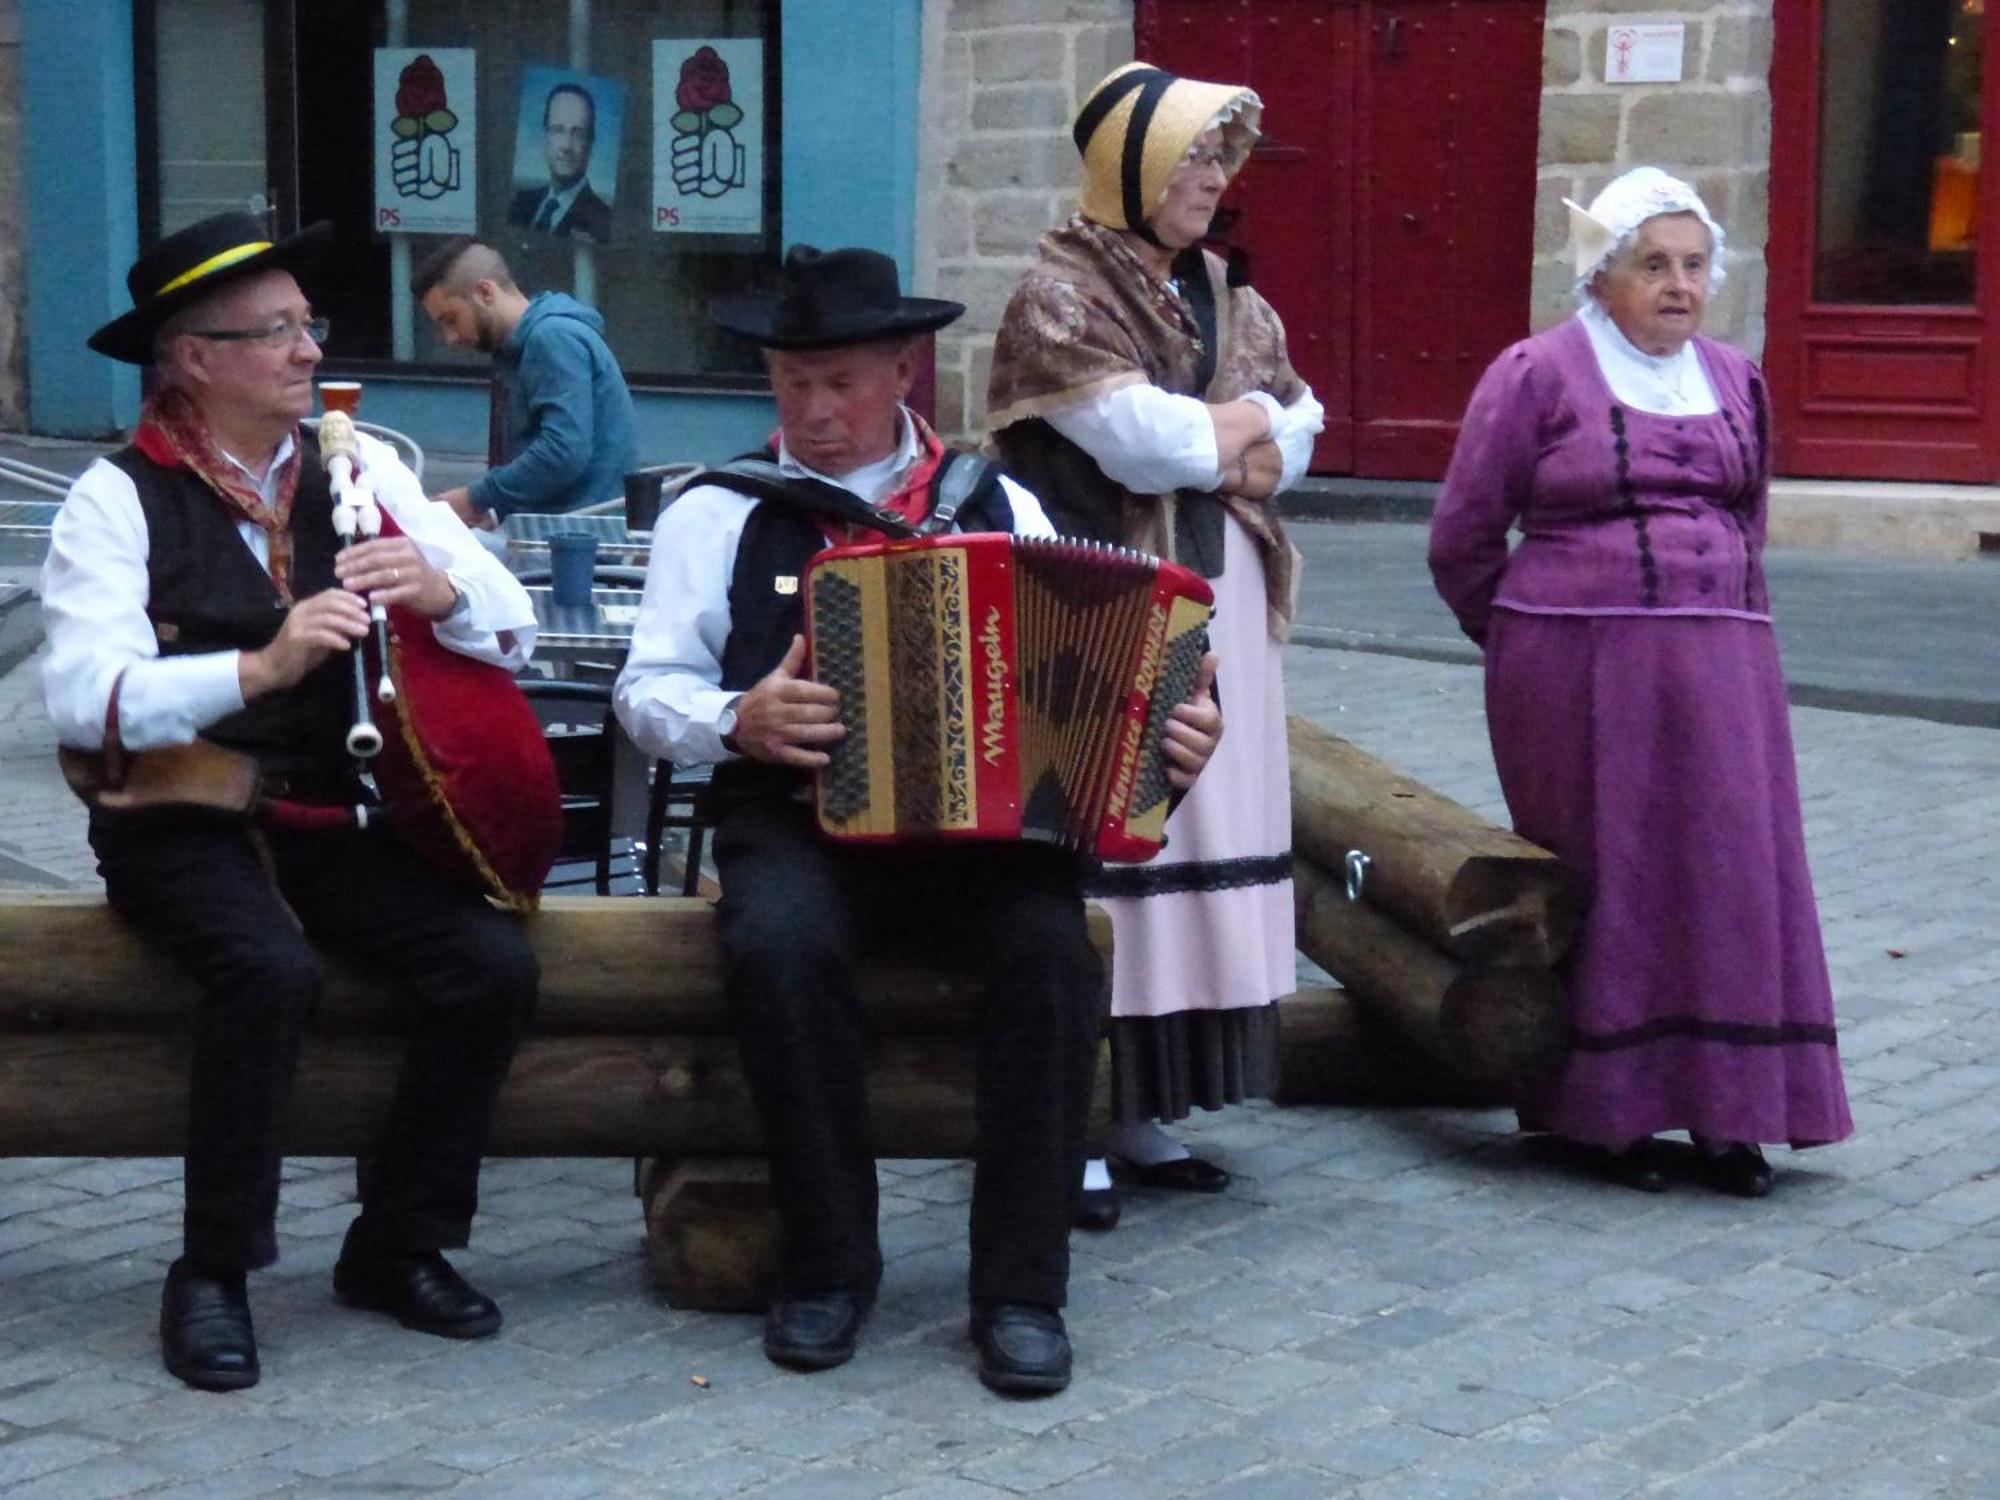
(201, 624)
(716, 675)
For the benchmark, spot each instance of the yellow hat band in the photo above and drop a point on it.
(214, 263)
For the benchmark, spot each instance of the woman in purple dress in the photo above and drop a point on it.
(1635, 703)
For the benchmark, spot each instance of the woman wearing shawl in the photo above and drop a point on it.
(1145, 392)
(1635, 703)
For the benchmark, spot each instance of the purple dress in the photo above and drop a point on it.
(1640, 730)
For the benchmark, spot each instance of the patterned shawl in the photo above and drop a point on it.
(172, 433)
(1090, 319)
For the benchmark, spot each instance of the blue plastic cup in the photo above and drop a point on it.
(572, 563)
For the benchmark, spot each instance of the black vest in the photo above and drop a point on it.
(207, 592)
(766, 609)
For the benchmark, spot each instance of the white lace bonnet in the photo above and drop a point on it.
(1597, 234)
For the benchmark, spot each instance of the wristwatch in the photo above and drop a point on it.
(725, 726)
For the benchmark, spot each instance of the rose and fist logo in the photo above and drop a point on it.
(707, 160)
(422, 163)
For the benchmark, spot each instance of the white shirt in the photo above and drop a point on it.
(1152, 441)
(1668, 385)
(95, 589)
(669, 694)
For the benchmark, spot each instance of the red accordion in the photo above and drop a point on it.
(1001, 687)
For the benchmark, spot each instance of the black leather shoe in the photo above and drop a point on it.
(814, 1333)
(1023, 1350)
(418, 1288)
(1096, 1209)
(1184, 1174)
(1636, 1167)
(1739, 1170)
(205, 1333)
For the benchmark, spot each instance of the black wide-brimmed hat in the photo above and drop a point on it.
(828, 298)
(192, 262)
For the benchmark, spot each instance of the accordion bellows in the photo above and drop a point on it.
(1001, 687)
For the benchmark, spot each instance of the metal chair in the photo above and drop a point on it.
(675, 800)
(583, 737)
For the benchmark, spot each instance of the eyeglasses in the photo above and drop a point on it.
(1197, 160)
(280, 335)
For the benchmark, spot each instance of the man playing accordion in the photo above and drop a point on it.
(715, 675)
(195, 605)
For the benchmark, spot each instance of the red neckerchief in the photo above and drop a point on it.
(172, 433)
(912, 497)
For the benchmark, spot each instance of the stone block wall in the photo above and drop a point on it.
(1713, 128)
(13, 231)
(1002, 79)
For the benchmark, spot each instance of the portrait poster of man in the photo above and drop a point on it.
(566, 153)
(708, 135)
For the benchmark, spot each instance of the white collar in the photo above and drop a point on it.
(871, 481)
(266, 482)
(1674, 385)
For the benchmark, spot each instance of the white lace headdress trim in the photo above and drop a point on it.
(1599, 233)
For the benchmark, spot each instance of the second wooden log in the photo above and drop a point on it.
(1502, 1027)
(1473, 889)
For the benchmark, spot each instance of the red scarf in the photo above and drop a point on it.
(912, 497)
(172, 433)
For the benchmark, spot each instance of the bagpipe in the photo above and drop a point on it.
(454, 746)
(1002, 687)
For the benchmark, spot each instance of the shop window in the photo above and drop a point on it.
(531, 123)
(1900, 151)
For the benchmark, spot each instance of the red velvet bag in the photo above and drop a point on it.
(465, 771)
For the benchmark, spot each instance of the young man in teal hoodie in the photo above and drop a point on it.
(562, 437)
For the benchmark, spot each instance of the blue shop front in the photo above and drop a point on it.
(643, 155)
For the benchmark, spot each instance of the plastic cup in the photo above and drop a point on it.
(340, 395)
(572, 562)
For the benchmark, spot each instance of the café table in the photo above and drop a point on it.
(528, 533)
(600, 631)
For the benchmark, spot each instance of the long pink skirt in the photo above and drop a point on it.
(1655, 754)
(1204, 932)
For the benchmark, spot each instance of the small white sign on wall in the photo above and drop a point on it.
(1645, 54)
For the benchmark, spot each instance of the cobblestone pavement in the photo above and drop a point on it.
(1396, 1305)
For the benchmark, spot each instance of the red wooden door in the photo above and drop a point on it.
(1884, 276)
(1389, 208)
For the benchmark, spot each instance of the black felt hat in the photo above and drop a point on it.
(192, 262)
(828, 298)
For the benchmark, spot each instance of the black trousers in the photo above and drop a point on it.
(198, 887)
(796, 912)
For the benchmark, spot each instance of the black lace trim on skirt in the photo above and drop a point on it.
(1195, 875)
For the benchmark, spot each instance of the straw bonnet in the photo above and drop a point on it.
(191, 263)
(1138, 125)
(1597, 234)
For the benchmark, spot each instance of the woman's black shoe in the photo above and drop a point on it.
(1184, 1174)
(1739, 1170)
(1636, 1167)
(1096, 1209)
(205, 1333)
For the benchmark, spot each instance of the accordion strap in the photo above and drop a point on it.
(959, 477)
(814, 497)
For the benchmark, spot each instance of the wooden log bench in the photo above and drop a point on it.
(631, 1053)
(1451, 946)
